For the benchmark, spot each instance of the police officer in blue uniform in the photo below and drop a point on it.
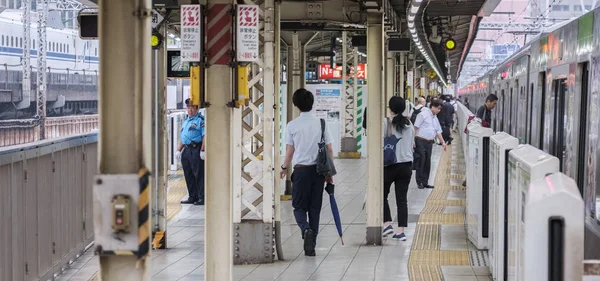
(190, 147)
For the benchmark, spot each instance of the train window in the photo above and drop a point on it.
(502, 97)
(61, 48)
(530, 115)
(68, 48)
(2, 40)
(12, 41)
(510, 115)
(542, 110)
(95, 52)
(21, 42)
(581, 157)
(560, 117)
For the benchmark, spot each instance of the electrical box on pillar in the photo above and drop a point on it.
(121, 217)
(196, 85)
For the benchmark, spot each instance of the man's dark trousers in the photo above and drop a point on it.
(446, 131)
(307, 197)
(193, 170)
(424, 148)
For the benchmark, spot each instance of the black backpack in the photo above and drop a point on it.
(413, 117)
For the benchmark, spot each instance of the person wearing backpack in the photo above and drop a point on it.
(420, 104)
(308, 148)
(398, 145)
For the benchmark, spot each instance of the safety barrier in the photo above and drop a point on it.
(45, 205)
(540, 241)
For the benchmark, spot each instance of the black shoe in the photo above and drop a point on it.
(420, 186)
(464, 183)
(189, 201)
(309, 244)
(429, 186)
(199, 202)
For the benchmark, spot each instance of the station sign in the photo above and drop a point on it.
(191, 26)
(247, 48)
(326, 72)
(156, 18)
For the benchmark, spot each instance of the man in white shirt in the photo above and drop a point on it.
(302, 137)
(427, 128)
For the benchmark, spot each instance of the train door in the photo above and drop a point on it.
(583, 114)
(559, 116)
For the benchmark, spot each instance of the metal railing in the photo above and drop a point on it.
(46, 213)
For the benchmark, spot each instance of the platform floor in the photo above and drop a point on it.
(439, 250)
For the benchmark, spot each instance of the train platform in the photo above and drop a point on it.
(437, 247)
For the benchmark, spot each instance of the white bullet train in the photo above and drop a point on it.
(65, 50)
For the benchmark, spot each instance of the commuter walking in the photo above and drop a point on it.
(398, 143)
(446, 119)
(427, 128)
(302, 137)
(191, 145)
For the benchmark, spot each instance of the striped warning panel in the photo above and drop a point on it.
(218, 34)
(144, 214)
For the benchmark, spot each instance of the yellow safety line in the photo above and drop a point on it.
(426, 255)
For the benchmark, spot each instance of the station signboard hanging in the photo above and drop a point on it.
(247, 33)
(191, 43)
(327, 73)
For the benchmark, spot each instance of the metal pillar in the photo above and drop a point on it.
(125, 109)
(374, 206)
(42, 10)
(294, 81)
(390, 74)
(401, 80)
(159, 144)
(277, 142)
(218, 252)
(26, 84)
(253, 203)
(349, 146)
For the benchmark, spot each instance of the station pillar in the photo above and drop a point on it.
(390, 78)
(296, 70)
(125, 139)
(375, 59)
(218, 253)
(401, 76)
(349, 145)
(253, 173)
(159, 144)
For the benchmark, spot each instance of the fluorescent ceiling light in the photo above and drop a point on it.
(411, 17)
(414, 9)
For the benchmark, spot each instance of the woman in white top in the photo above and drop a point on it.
(400, 172)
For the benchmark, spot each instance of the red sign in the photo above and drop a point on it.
(326, 72)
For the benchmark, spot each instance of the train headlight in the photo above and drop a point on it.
(156, 40)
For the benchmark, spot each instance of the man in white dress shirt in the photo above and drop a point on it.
(302, 137)
(427, 128)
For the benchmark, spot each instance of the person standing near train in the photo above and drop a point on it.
(485, 111)
(427, 128)
(191, 146)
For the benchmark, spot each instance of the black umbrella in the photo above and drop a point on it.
(334, 210)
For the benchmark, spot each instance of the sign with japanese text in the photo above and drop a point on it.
(409, 78)
(326, 72)
(247, 33)
(191, 36)
(156, 18)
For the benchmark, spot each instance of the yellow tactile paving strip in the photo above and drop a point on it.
(426, 255)
(177, 191)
